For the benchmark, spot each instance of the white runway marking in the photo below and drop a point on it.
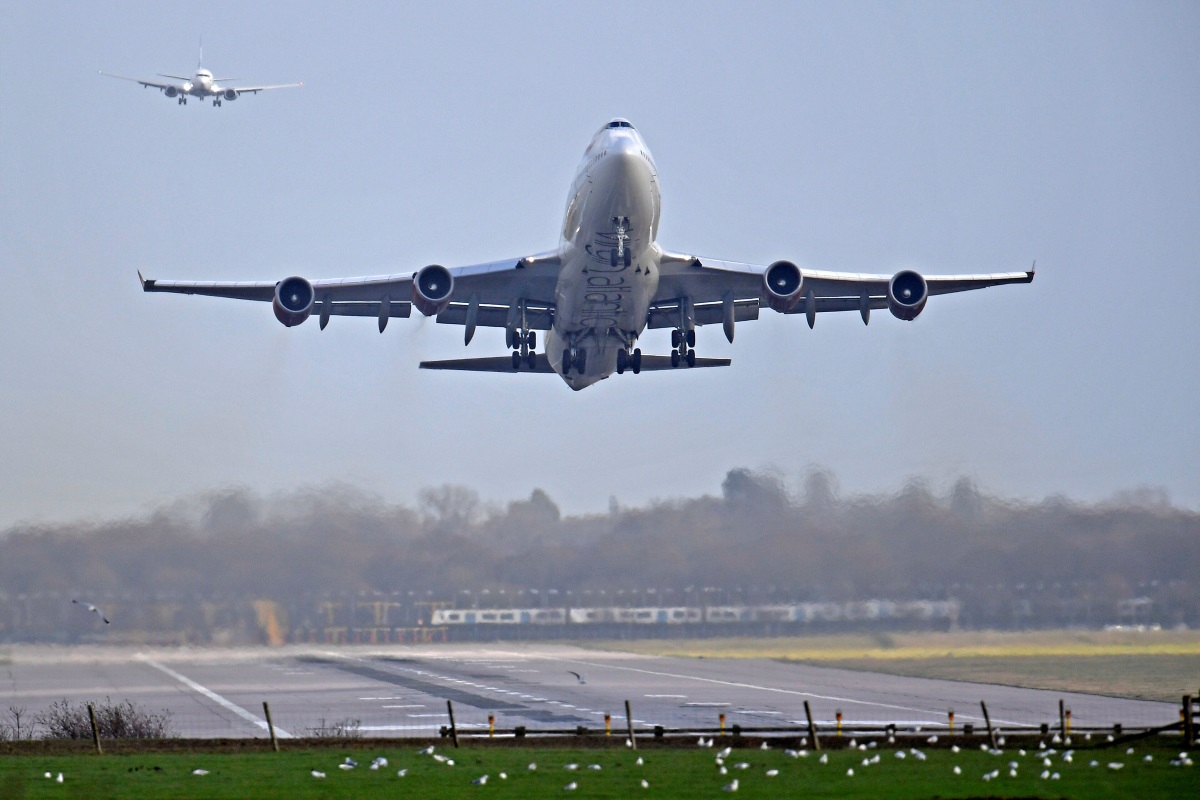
(216, 698)
(740, 685)
(673, 696)
(419, 705)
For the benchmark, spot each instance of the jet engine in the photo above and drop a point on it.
(431, 289)
(171, 91)
(907, 293)
(293, 300)
(230, 94)
(781, 283)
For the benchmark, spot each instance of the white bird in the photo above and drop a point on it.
(1053, 776)
(570, 787)
(571, 767)
(594, 766)
(428, 751)
(732, 786)
(578, 677)
(771, 773)
(957, 770)
(900, 754)
(824, 759)
(379, 761)
(92, 609)
(400, 773)
(345, 766)
(532, 766)
(722, 770)
(59, 778)
(741, 765)
(1115, 765)
(1129, 752)
(853, 743)
(199, 772)
(316, 774)
(503, 776)
(449, 762)
(764, 746)
(645, 783)
(725, 753)
(850, 772)
(639, 761)
(955, 748)
(932, 739)
(1045, 774)
(480, 781)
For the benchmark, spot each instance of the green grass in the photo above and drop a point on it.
(683, 773)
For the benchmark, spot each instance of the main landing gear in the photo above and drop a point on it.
(182, 101)
(217, 103)
(524, 344)
(684, 343)
(631, 361)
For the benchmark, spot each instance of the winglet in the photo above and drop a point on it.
(1032, 271)
(147, 283)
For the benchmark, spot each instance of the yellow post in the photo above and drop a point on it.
(951, 715)
(839, 722)
(608, 724)
(491, 725)
(1068, 722)
(722, 724)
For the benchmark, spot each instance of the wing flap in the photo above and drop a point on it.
(492, 316)
(666, 314)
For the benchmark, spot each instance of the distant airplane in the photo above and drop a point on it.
(201, 85)
(606, 283)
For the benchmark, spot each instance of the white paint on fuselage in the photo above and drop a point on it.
(599, 307)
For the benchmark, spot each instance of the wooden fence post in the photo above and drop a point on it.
(270, 726)
(812, 729)
(1062, 719)
(1189, 720)
(629, 726)
(988, 721)
(95, 730)
(453, 727)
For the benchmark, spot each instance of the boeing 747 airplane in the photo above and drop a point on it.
(606, 283)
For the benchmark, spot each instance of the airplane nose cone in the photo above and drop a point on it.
(627, 159)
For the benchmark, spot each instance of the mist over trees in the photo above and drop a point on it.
(760, 536)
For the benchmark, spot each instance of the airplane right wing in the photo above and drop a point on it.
(489, 294)
(255, 89)
(142, 82)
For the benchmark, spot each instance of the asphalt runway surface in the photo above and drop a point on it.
(402, 690)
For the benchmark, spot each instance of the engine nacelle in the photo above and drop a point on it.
(230, 94)
(293, 300)
(907, 293)
(781, 284)
(171, 91)
(432, 287)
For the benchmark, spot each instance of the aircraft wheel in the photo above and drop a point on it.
(622, 361)
(691, 337)
(612, 258)
(691, 358)
(628, 257)
(676, 338)
(581, 360)
(674, 358)
(637, 361)
(516, 359)
(531, 360)
(531, 340)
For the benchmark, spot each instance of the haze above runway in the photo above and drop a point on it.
(402, 690)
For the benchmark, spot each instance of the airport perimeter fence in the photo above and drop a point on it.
(817, 724)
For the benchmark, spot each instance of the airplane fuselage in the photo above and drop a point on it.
(609, 259)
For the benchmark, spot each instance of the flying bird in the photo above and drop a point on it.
(578, 677)
(94, 609)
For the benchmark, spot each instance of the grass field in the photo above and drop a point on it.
(1154, 665)
(682, 773)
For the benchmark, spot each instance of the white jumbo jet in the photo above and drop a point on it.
(201, 85)
(607, 282)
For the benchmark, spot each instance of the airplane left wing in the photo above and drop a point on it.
(255, 89)
(714, 290)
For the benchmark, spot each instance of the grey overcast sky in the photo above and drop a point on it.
(957, 137)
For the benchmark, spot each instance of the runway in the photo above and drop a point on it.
(402, 690)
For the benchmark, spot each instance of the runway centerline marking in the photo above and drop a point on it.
(216, 698)
(756, 687)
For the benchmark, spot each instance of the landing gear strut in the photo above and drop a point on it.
(621, 254)
(631, 361)
(523, 341)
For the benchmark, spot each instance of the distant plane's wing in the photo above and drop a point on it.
(493, 287)
(709, 283)
(142, 82)
(253, 89)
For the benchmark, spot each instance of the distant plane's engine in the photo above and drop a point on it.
(432, 287)
(782, 282)
(293, 300)
(230, 94)
(171, 91)
(907, 293)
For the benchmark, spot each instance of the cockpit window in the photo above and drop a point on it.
(619, 123)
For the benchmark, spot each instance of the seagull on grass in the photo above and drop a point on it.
(94, 609)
